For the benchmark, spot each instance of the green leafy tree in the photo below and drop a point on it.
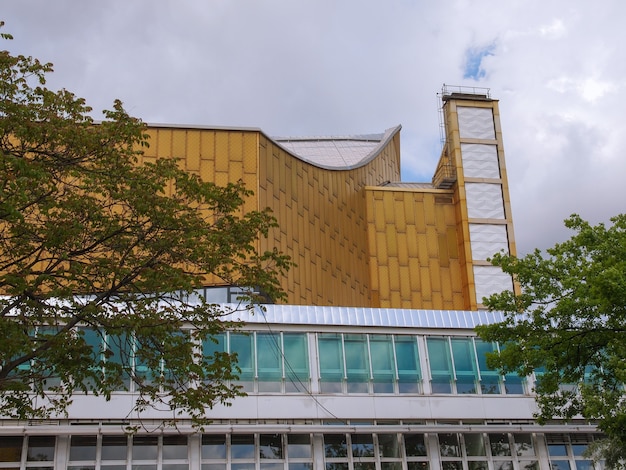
(569, 326)
(100, 255)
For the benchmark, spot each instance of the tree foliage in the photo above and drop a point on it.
(569, 326)
(96, 244)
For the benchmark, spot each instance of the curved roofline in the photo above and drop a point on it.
(383, 141)
(387, 136)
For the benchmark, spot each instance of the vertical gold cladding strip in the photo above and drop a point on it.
(192, 156)
(508, 214)
(453, 141)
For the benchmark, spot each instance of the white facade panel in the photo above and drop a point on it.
(490, 280)
(484, 201)
(476, 123)
(487, 239)
(480, 161)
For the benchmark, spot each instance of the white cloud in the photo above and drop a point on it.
(360, 66)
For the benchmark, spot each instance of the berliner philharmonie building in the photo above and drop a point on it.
(372, 362)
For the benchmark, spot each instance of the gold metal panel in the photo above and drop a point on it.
(179, 144)
(164, 143)
(415, 253)
(192, 156)
(222, 156)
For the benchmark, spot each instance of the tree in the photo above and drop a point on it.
(100, 255)
(569, 326)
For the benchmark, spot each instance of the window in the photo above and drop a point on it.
(270, 362)
(441, 371)
(362, 363)
(383, 364)
(41, 449)
(357, 363)
(11, 449)
(489, 378)
(330, 346)
(242, 345)
(566, 452)
(408, 366)
(459, 365)
(296, 358)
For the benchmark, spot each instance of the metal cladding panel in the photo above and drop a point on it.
(487, 239)
(476, 123)
(413, 242)
(480, 161)
(323, 223)
(484, 201)
(490, 280)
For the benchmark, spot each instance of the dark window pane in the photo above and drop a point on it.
(213, 466)
(301, 466)
(559, 465)
(242, 446)
(529, 465)
(265, 465)
(299, 446)
(11, 449)
(83, 448)
(114, 448)
(449, 445)
(174, 447)
(364, 466)
(474, 445)
(270, 446)
(557, 450)
(145, 447)
(214, 446)
(391, 466)
(502, 465)
(242, 466)
(414, 445)
(362, 445)
(524, 444)
(337, 466)
(388, 445)
(41, 448)
(417, 465)
(500, 444)
(477, 465)
(335, 445)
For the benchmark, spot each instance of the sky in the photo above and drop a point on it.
(336, 67)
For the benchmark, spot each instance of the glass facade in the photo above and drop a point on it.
(330, 363)
(381, 450)
(459, 365)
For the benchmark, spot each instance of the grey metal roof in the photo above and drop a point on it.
(337, 152)
(367, 317)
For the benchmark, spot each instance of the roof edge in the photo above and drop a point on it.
(388, 135)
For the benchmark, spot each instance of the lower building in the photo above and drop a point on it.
(328, 388)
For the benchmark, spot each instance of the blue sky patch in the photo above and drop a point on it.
(473, 61)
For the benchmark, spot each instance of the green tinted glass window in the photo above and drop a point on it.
(269, 356)
(296, 357)
(243, 346)
(440, 364)
(357, 363)
(464, 364)
(331, 357)
(381, 348)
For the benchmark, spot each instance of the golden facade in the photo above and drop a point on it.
(357, 235)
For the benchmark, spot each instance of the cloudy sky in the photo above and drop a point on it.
(332, 67)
